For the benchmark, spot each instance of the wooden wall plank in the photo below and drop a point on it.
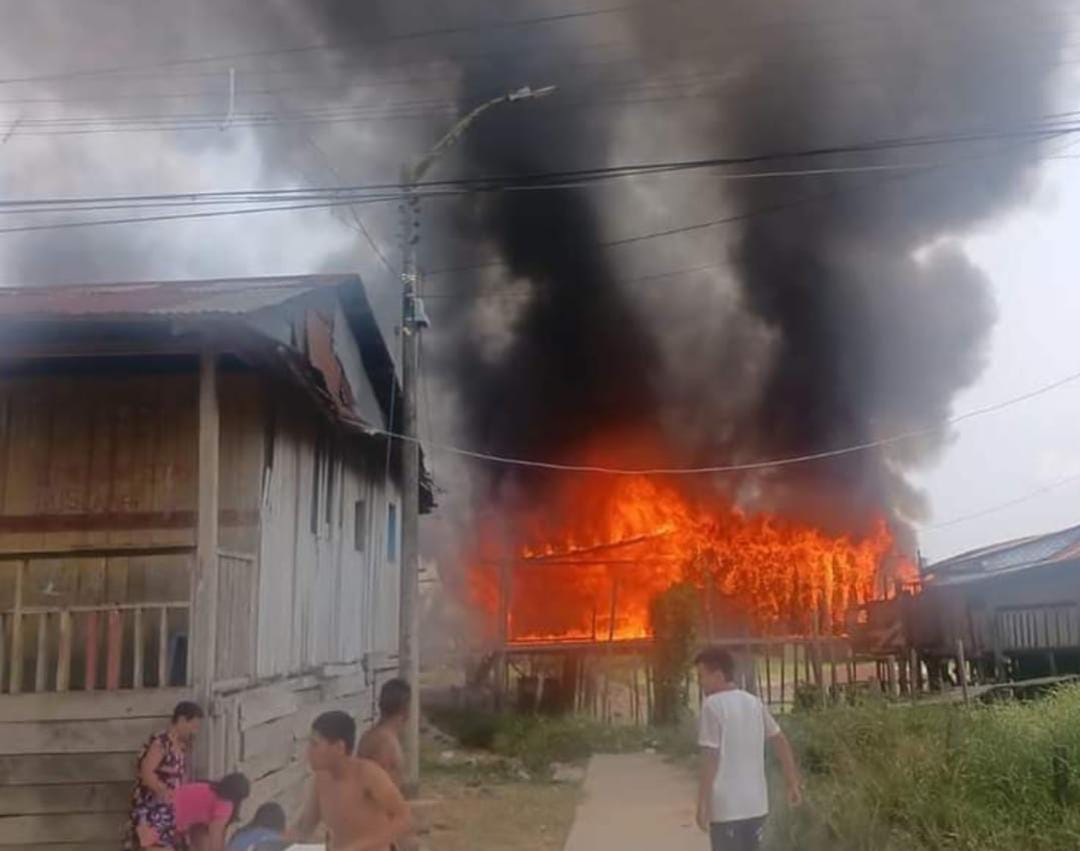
(268, 738)
(28, 831)
(285, 786)
(81, 846)
(73, 706)
(80, 798)
(38, 769)
(266, 704)
(52, 737)
(277, 548)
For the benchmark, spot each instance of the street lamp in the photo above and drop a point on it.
(413, 319)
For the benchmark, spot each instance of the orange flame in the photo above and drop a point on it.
(587, 564)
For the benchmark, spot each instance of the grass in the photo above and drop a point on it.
(982, 778)
(880, 777)
(537, 742)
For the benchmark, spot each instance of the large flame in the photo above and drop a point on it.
(586, 564)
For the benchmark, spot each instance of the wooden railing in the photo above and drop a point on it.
(95, 646)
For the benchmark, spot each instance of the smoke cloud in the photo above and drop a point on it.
(834, 309)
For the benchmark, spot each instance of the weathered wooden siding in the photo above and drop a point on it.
(242, 457)
(67, 764)
(323, 594)
(96, 461)
(267, 728)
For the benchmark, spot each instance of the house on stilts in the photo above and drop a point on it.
(197, 500)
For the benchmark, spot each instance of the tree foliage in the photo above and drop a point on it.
(674, 618)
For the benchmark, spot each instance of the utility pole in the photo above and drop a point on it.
(408, 626)
(413, 320)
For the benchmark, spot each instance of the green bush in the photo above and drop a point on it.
(981, 778)
(538, 741)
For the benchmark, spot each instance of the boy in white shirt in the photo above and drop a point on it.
(733, 797)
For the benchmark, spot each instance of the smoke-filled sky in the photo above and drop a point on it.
(832, 310)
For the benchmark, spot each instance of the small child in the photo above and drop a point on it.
(263, 832)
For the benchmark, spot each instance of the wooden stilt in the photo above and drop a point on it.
(768, 674)
(783, 676)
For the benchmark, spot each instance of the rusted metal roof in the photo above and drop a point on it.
(302, 339)
(1007, 558)
(223, 296)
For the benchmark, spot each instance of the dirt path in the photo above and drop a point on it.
(636, 802)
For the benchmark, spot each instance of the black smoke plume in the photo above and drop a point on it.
(832, 310)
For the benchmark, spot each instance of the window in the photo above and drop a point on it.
(360, 525)
(391, 532)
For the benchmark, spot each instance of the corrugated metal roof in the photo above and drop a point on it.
(223, 296)
(1009, 557)
(251, 301)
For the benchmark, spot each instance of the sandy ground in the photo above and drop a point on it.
(495, 816)
(636, 802)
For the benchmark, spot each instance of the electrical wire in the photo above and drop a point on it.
(813, 26)
(359, 222)
(758, 211)
(1002, 506)
(572, 178)
(751, 466)
(338, 196)
(331, 45)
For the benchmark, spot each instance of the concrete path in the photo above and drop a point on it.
(636, 802)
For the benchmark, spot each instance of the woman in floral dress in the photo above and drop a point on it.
(161, 768)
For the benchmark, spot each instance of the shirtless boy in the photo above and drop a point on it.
(382, 743)
(355, 799)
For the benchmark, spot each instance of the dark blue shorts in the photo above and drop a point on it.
(744, 835)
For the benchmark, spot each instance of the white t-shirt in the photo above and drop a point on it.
(736, 723)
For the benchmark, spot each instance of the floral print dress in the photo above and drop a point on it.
(153, 821)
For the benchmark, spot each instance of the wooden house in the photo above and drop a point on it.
(196, 500)
(1015, 606)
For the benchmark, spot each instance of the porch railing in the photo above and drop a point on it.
(95, 646)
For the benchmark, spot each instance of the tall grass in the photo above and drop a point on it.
(537, 742)
(983, 778)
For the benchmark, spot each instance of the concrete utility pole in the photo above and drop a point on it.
(413, 319)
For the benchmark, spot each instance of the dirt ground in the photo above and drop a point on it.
(458, 813)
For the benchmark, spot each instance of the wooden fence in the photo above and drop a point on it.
(110, 646)
(613, 680)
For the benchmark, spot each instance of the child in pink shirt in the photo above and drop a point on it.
(204, 810)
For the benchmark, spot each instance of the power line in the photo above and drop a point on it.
(338, 196)
(331, 200)
(759, 211)
(811, 26)
(1001, 506)
(736, 468)
(361, 227)
(202, 215)
(328, 45)
(572, 178)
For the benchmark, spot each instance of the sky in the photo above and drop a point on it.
(1032, 257)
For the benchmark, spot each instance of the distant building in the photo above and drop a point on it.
(1015, 605)
(196, 500)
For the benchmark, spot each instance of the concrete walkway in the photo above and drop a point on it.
(636, 802)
